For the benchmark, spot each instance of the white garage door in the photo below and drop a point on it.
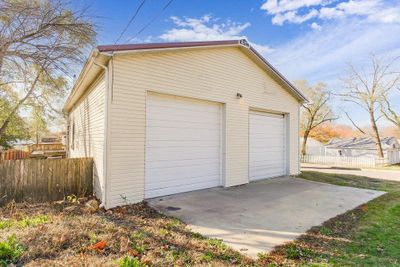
(183, 145)
(267, 146)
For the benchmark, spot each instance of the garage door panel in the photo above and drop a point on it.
(183, 145)
(264, 162)
(181, 162)
(182, 134)
(189, 105)
(185, 115)
(204, 179)
(266, 146)
(180, 153)
(168, 185)
(184, 170)
(262, 154)
(178, 189)
(200, 144)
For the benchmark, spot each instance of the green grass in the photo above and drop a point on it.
(10, 251)
(25, 222)
(128, 261)
(368, 236)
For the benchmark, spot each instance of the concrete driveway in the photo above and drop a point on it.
(258, 216)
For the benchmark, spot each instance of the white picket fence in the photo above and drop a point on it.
(342, 161)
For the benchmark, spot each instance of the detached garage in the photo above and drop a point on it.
(161, 119)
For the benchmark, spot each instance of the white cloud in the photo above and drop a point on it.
(316, 26)
(263, 49)
(331, 13)
(390, 15)
(145, 39)
(296, 11)
(208, 28)
(293, 17)
(203, 29)
(352, 7)
(282, 6)
(322, 55)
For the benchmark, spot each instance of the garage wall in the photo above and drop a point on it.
(87, 120)
(215, 74)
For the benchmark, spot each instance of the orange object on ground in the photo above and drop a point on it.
(100, 245)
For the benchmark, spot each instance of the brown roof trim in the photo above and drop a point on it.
(125, 47)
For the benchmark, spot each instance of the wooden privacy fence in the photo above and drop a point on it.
(38, 180)
(13, 154)
(343, 161)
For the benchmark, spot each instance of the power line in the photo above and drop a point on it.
(153, 19)
(130, 21)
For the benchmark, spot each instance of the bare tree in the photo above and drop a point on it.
(386, 104)
(316, 112)
(39, 43)
(367, 91)
(389, 112)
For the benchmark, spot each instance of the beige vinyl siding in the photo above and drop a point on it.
(88, 118)
(213, 74)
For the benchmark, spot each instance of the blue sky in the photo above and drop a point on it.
(305, 39)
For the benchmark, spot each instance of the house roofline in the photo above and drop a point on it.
(109, 50)
(151, 46)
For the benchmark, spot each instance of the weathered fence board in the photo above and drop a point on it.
(38, 180)
(13, 154)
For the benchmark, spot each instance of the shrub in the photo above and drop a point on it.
(130, 262)
(10, 251)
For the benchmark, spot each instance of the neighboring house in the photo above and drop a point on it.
(364, 147)
(161, 119)
(313, 147)
(51, 138)
(49, 146)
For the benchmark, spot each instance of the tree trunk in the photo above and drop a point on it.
(375, 133)
(304, 145)
(3, 50)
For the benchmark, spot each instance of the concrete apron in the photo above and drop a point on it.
(258, 216)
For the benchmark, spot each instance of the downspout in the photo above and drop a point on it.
(106, 123)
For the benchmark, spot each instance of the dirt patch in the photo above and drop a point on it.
(72, 234)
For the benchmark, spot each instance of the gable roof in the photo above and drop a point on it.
(105, 52)
(362, 143)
